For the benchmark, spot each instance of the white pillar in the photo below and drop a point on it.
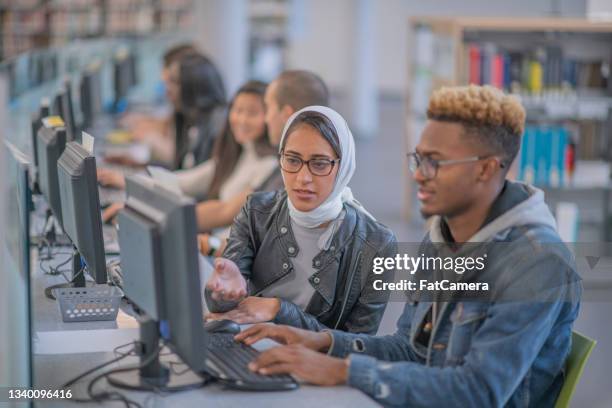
(364, 93)
(221, 32)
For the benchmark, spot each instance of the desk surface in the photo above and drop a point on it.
(63, 350)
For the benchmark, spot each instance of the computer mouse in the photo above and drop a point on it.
(222, 326)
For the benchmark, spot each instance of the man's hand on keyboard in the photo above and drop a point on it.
(111, 178)
(250, 310)
(226, 282)
(303, 363)
(318, 341)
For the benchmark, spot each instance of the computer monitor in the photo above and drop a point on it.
(159, 262)
(81, 217)
(133, 70)
(49, 148)
(16, 265)
(67, 112)
(36, 124)
(91, 96)
(122, 77)
(57, 104)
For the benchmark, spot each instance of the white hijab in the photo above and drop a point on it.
(331, 208)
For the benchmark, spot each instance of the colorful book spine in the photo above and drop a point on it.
(474, 56)
(543, 156)
(497, 77)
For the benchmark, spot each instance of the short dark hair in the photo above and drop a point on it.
(177, 52)
(298, 89)
(321, 124)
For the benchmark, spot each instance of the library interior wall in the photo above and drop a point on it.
(325, 43)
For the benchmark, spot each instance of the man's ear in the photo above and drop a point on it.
(490, 168)
(287, 111)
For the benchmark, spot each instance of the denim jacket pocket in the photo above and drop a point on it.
(465, 319)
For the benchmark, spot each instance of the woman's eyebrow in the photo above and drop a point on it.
(293, 152)
(312, 156)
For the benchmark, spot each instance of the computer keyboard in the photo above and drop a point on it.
(228, 361)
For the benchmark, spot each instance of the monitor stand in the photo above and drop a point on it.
(155, 376)
(51, 236)
(78, 276)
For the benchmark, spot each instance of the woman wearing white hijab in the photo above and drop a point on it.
(304, 256)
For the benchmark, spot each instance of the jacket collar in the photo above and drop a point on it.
(325, 263)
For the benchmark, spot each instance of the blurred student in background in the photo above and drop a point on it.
(196, 92)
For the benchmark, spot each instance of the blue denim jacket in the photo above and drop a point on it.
(499, 352)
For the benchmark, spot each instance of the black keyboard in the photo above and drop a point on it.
(228, 361)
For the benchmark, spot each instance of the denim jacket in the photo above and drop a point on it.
(262, 244)
(509, 350)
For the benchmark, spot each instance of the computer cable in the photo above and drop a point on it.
(49, 290)
(54, 270)
(105, 395)
(101, 366)
(110, 396)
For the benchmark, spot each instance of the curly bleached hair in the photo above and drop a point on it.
(491, 117)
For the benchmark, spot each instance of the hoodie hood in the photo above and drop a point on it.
(531, 211)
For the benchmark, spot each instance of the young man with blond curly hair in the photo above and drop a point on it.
(506, 347)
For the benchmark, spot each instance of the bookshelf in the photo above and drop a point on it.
(33, 24)
(559, 67)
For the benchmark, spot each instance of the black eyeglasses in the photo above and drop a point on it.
(429, 167)
(317, 167)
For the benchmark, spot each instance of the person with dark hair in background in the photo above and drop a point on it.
(507, 347)
(155, 131)
(242, 158)
(302, 255)
(196, 92)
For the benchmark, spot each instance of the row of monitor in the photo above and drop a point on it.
(90, 97)
(157, 236)
(157, 228)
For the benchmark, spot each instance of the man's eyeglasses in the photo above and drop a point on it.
(317, 167)
(429, 167)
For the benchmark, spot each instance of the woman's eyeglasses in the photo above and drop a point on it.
(317, 167)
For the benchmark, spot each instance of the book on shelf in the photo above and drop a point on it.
(543, 159)
(534, 70)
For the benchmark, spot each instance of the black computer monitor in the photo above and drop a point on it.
(67, 112)
(133, 70)
(122, 77)
(57, 103)
(50, 146)
(90, 96)
(159, 262)
(16, 267)
(81, 218)
(36, 124)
